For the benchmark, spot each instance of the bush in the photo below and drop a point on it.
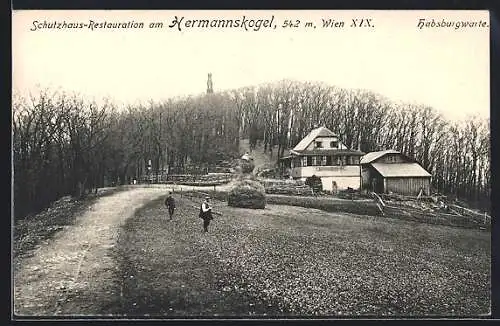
(315, 183)
(247, 194)
(349, 193)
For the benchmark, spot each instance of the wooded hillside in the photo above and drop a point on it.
(64, 144)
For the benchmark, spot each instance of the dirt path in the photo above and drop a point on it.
(74, 273)
(260, 159)
(63, 274)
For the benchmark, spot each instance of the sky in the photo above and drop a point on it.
(443, 67)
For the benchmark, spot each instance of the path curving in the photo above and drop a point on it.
(65, 274)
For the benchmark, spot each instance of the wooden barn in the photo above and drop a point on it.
(390, 171)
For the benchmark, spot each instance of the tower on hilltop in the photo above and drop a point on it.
(210, 87)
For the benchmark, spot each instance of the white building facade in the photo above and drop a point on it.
(322, 153)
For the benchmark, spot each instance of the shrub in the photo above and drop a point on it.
(247, 194)
(349, 193)
(315, 183)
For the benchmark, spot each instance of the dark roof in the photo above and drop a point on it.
(389, 170)
(318, 132)
(327, 152)
(372, 156)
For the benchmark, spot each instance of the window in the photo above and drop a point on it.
(392, 158)
(355, 160)
(319, 144)
(336, 160)
(334, 144)
(323, 160)
(329, 161)
(314, 161)
(304, 161)
(309, 161)
(344, 160)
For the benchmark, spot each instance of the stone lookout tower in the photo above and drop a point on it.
(210, 87)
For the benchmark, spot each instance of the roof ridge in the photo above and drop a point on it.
(372, 156)
(313, 134)
(401, 169)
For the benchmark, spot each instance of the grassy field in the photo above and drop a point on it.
(328, 204)
(362, 207)
(293, 261)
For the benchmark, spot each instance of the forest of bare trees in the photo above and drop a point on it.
(63, 144)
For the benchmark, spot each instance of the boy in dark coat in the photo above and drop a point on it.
(170, 203)
(206, 213)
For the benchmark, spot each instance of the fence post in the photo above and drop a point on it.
(380, 203)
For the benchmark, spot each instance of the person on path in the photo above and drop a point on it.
(206, 213)
(170, 203)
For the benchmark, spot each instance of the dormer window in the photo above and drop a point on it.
(334, 144)
(319, 144)
(392, 158)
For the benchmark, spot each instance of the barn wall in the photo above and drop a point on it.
(365, 176)
(407, 186)
(371, 179)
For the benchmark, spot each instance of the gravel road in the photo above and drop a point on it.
(63, 272)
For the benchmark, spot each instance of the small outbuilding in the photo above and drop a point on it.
(246, 157)
(391, 171)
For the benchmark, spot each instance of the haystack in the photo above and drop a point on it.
(247, 194)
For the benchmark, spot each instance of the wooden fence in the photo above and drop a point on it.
(467, 218)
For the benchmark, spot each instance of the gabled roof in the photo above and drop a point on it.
(327, 152)
(389, 170)
(318, 132)
(372, 156)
